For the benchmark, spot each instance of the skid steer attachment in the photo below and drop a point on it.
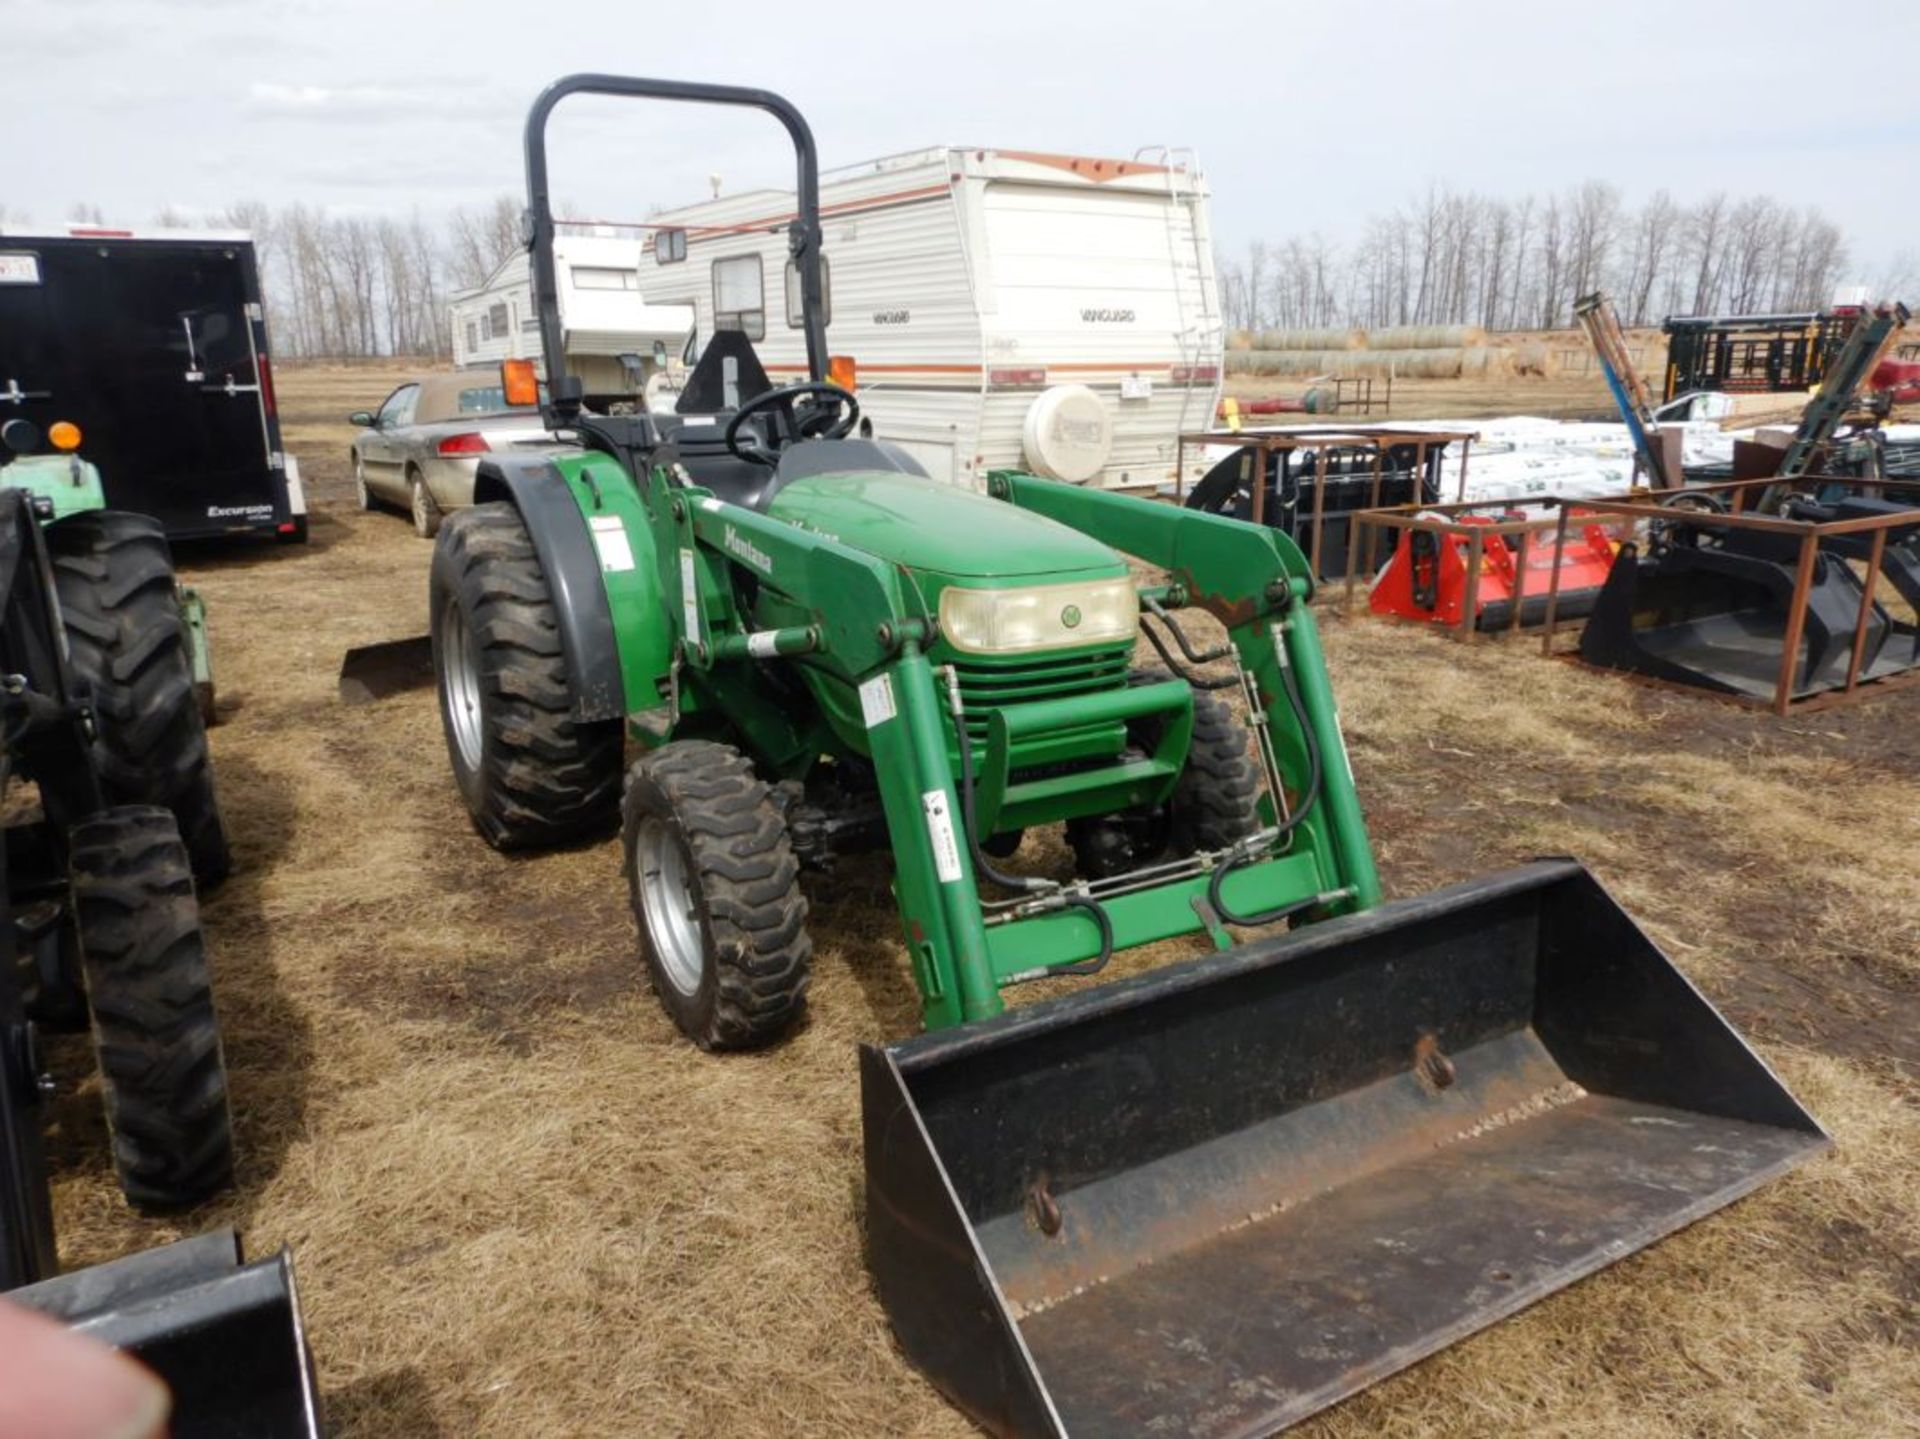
(225, 1335)
(1720, 618)
(1219, 1197)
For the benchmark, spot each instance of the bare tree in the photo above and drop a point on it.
(479, 240)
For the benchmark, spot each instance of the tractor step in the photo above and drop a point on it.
(1222, 1196)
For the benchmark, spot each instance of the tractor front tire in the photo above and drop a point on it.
(151, 997)
(716, 892)
(120, 604)
(530, 773)
(1215, 802)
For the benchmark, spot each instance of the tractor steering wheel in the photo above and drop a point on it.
(818, 424)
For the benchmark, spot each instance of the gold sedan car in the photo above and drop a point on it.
(420, 449)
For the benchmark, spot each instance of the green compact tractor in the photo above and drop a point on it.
(63, 485)
(1214, 1197)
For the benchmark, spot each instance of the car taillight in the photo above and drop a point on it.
(468, 444)
(1195, 374)
(266, 386)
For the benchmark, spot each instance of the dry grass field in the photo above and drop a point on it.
(522, 1206)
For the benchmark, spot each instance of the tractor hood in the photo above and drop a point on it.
(938, 528)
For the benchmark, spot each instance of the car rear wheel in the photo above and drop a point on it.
(426, 513)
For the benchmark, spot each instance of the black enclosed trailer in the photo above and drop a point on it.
(156, 347)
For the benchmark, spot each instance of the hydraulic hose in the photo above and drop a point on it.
(1308, 796)
(1027, 884)
(1193, 657)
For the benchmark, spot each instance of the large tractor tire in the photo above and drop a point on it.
(530, 773)
(1215, 802)
(716, 891)
(128, 641)
(151, 996)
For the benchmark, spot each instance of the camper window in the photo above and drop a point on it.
(604, 278)
(796, 313)
(739, 296)
(669, 246)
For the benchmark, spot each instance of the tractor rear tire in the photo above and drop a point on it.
(715, 890)
(151, 996)
(530, 773)
(128, 640)
(1215, 802)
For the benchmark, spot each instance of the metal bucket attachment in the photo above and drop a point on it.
(225, 1335)
(372, 672)
(1719, 618)
(1220, 1197)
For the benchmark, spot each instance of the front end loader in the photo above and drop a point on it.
(1213, 1198)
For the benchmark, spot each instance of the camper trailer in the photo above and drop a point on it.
(619, 344)
(1003, 308)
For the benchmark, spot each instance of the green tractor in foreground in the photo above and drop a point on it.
(136, 638)
(1212, 1198)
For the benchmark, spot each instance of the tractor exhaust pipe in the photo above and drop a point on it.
(1227, 1194)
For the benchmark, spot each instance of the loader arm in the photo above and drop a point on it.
(1255, 581)
(865, 632)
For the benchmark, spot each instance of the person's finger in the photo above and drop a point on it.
(56, 1384)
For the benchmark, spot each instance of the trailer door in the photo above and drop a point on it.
(150, 348)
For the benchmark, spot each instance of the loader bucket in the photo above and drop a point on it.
(225, 1335)
(373, 672)
(1222, 1196)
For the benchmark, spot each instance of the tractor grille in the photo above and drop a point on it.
(1045, 677)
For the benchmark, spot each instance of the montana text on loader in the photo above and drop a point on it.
(1209, 1199)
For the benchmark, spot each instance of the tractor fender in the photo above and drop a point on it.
(533, 486)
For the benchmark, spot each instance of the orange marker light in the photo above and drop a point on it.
(63, 435)
(842, 371)
(520, 384)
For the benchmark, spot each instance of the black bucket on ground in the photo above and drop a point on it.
(1222, 1196)
(225, 1335)
(374, 672)
(1717, 618)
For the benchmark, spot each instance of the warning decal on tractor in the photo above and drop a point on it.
(19, 269)
(610, 539)
(876, 700)
(946, 849)
(689, 597)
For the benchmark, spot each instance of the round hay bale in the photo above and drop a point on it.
(1427, 337)
(1404, 364)
(1282, 362)
(1326, 339)
(1487, 362)
(1532, 359)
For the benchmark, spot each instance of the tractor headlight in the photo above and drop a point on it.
(1042, 617)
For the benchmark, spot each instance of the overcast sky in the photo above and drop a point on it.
(1306, 116)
